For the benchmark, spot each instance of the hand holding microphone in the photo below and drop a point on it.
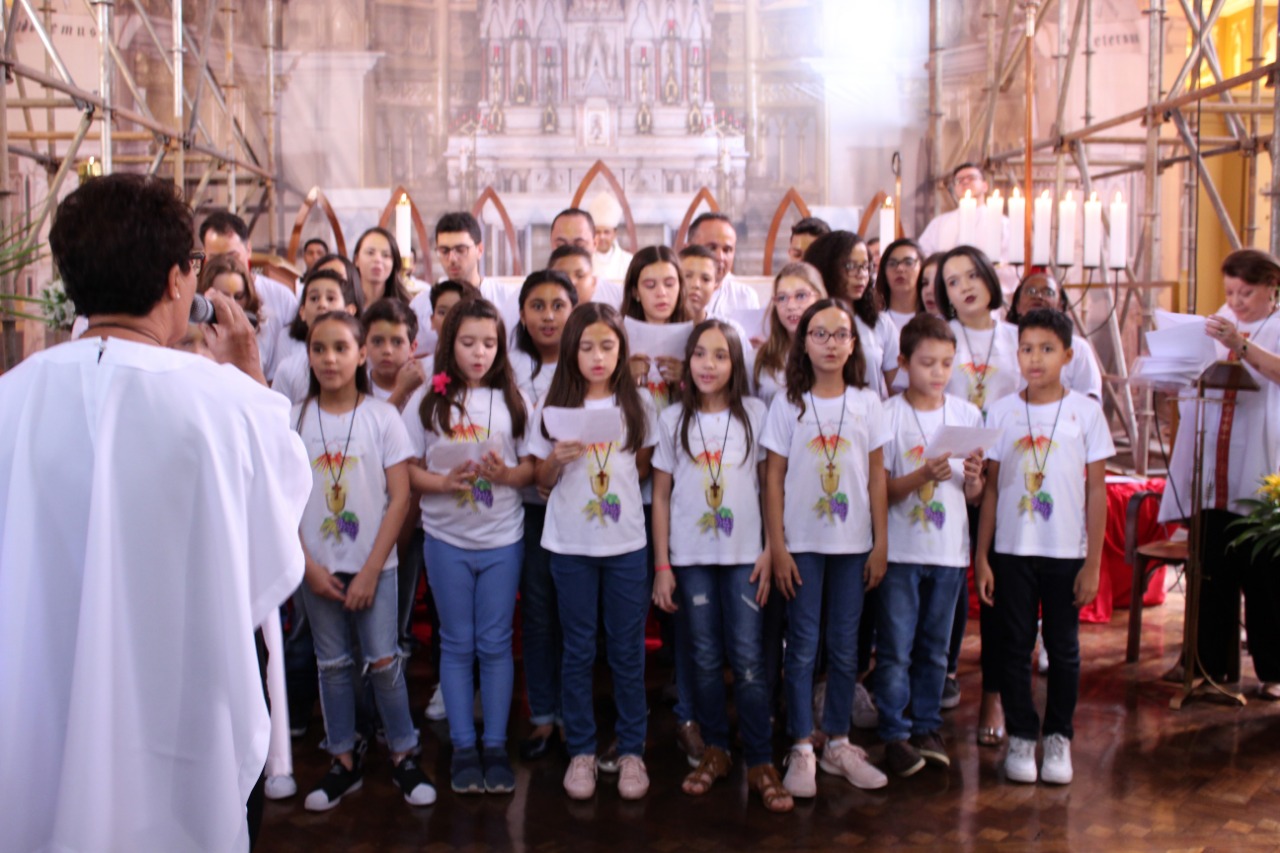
(228, 332)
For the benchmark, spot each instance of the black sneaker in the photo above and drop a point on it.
(498, 777)
(902, 757)
(932, 748)
(608, 762)
(465, 773)
(413, 783)
(950, 693)
(335, 785)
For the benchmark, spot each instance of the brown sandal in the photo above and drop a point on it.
(764, 780)
(714, 765)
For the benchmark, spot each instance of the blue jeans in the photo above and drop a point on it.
(841, 574)
(581, 583)
(475, 591)
(377, 629)
(917, 606)
(540, 639)
(724, 620)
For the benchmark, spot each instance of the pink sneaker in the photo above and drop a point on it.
(802, 774)
(845, 759)
(633, 779)
(580, 778)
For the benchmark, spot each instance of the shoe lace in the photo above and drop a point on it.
(1055, 747)
(581, 766)
(631, 768)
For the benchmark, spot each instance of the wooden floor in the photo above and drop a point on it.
(1147, 778)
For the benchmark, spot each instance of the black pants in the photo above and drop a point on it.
(1226, 573)
(989, 625)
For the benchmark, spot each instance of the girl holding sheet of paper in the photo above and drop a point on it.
(653, 293)
(468, 427)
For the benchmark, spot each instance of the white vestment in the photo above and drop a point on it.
(149, 510)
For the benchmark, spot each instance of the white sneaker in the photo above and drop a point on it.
(1020, 761)
(865, 715)
(435, 708)
(279, 787)
(580, 778)
(1056, 767)
(802, 773)
(633, 778)
(844, 759)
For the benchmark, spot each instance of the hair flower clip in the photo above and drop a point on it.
(440, 382)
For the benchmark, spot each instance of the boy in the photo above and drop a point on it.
(432, 306)
(575, 262)
(928, 533)
(1047, 524)
(391, 339)
(698, 265)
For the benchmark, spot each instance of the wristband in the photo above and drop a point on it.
(1244, 349)
(665, 567)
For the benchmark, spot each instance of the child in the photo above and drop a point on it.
(359, 499)
(576, 262)
(924, 285)
(654, 293)
(433, 306)
(706, 504)
(323, 291)
(698, 265)
(796, 286)
(928, 547)
(1041, 290)
(1047, 523)
(595, 533)
(896, 281)
(394, 371)
(474, 531)
(825, 437)
(546, 299)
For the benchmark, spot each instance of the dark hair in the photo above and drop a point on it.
(357, 332)
(313, 241)
(738, 388)
(1047, 318)
(924, 327)
(392, 311)
(224, 222)
(435, 407)
(114, 241)
(882, 274)
(828, 254)
(523, 340)
(298, 328)
(871, 240)
(569, 388)
(226, 263)
(985, 271)
(574, 211)
(569, 251)
(457, 221)
(631, 306)
(697, 250)
(967, 165)
(709, 216)
(464, 289)
(1012, 316)
(811, 225)
(800, 371)
(392, 287)
(1252, 266)
(352, 274)
(934, 260)
(773, 355)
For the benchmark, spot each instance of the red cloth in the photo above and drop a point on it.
(1116, 576)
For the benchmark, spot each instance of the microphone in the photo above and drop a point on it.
(202, 312)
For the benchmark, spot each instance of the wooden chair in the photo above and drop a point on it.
(1145, 559)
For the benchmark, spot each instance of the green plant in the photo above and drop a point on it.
(1262, 525)
(52, 305)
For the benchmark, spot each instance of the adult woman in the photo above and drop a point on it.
(896, 281)
(1041, 290)
(378, 259)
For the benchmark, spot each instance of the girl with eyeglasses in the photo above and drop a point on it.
(1041, 290)
(796, 286)
(896, 281)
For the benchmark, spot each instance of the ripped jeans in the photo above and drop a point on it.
(331, 626)
(719, 609)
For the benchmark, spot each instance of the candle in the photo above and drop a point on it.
(1042, 216)
(403, 240)
(1118, 253)
(1017, 227)
(888, 225)
(1092, 257)
(968, 219)
(993, 227)
(1067, 231)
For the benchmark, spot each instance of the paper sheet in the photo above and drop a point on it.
(656, 339)
(446, 455)
(1180, 336)
(961, 441)
(590, 426)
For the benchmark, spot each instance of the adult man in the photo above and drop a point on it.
(573, 226)
(312, 251)
(943, 233)
(716, 232)
(149, 510)
(459, 248)
(803, 233)
(611, 260)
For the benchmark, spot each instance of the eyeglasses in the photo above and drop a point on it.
(800, 297)
(855, 269)
(840, 336)
(1041, 292)
(904, 263)
(196, 261)
(460, 251)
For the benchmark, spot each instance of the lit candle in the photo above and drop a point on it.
(1067, 231)
(1041, 218)
(1118, 253)
(968, 219)
(993, 226)
(1092, 257)
(403, 241)
(1017, 227)
(888, 225)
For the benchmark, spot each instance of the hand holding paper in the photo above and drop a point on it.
(445, 456)
(961, 441)
(589, 426)
(657, 339)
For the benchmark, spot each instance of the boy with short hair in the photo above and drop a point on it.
(1045, 509)
(391, 340)
(575, 262)
(432, 306)
(928, 531)
(698, 266)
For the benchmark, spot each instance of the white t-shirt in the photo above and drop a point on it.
(608, 292)
(505, 299)
(342, 518)
(769, 386)
(281, 305)
(721, 527)
(487, 515)
(1041, 510)
(421, 306)
(731, 295)
(283, 348)
(293, 376)
(930, 527)
(879, 349)
(900, 319)
(1082, 373)
(979, 379)
(595, 509)
(827, 509)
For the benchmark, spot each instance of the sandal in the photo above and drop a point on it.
(764, 780)
(990, 735)
(714, 765)
(1269, 691)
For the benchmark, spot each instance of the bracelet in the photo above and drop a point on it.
(665, 567)
(1244, 349)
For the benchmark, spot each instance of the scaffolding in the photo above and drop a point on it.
(1065, 150)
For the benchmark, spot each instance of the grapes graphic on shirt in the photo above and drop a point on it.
(718, 519)
(480, 492)
(334, 465)
(833, 504)
(605, 506)
(927, 511)
(1036, 501)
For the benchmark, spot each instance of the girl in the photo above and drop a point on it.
(824, 438)
(378, 259)
(286, 344)
(359, 499)
(595, 533)
(474, 526)
(722, 575)
(653, 292)
(796, 286)
(924, 285)
(842, 260)
(226, 272)
(896, 282)
(1041, 290)
(546, 299)
(323, 291)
